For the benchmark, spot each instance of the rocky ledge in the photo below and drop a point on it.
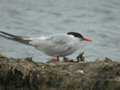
(25, 74)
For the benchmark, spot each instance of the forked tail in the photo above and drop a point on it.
(23, 40)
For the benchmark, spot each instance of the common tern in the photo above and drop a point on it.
(55, 45)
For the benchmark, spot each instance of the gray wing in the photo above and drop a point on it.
(60, 43)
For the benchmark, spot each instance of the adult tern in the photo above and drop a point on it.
(55, 45)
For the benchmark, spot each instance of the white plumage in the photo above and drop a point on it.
(55, 45)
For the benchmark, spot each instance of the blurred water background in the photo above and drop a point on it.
(98, 20)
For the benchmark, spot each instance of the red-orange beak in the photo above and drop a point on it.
(85, 39)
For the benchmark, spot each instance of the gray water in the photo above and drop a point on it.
(99, 20)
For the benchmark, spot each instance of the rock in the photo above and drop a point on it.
(22, 74)
(80, 57)
(107, 60)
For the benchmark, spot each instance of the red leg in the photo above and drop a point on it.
(58, 58)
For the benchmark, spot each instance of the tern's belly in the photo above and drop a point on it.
(58, 51)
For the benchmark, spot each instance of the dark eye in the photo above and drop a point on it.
(81, 36)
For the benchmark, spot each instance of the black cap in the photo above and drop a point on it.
(75, 34)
